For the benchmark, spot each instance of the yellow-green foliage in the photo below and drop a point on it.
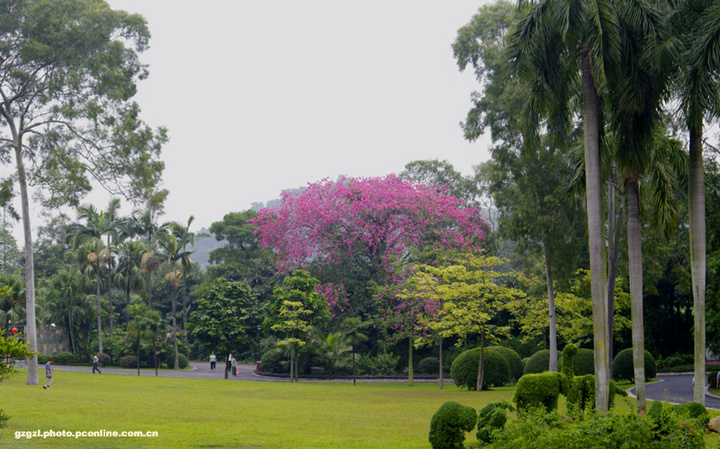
(449, 424)
(540, 390)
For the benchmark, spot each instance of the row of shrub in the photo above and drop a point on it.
(128, 361)
(584, 363)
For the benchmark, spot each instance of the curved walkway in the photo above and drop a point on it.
(677, 389)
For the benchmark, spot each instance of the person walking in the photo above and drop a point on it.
(228, 363)
(213, 360)
(48, 374)
(233, 363)
(96, 362)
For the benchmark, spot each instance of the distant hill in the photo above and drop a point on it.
(203, 246)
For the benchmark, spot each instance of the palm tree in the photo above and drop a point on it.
(89, 235)
(697, 25)
(130, 270)
(354, 330)
(113, 229)
(173, 255)
(143, 223)
(637, 98)
(549, 42)
(12, 301)
(67, 303)
(184, 238)
(145, 324)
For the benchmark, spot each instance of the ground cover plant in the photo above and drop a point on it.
(211, 413)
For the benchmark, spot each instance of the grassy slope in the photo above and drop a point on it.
(215, 413)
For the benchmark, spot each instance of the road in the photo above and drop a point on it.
(677, 389)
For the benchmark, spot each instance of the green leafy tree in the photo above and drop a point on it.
(68, 71)
(471, 291)
(298, 309)
(146, 326)
(227, 317)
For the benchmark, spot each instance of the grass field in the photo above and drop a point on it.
(191, 413)
(199, 413)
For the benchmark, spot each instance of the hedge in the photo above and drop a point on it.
(464, 369)
(538, 363)
(514, 362)
(623, 367)
(449, 424)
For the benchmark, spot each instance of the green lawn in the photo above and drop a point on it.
(216, 413)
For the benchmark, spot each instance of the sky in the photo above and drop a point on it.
(263, 96)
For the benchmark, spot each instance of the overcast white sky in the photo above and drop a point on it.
(262, 96)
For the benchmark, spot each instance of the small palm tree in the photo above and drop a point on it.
(354, 330)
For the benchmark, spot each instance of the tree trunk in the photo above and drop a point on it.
(109, 255)
(441, 363)
(636, 290)
(138, 354)
(696, 206)
(30, 326)
(353, 354)
(478, 387)
(551, 309)
(99, 309)
(174, 324)
(596, 241)
(614, 225)
(410, 361)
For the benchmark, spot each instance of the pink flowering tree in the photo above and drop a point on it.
(353, 234)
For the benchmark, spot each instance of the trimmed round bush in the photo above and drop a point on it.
(584, 362)
(272, 361)
(623, 367)
(538, 363)
(429, 365)
(63, 358)
(464, 369)
(104, 359)
(536, 390)
(449, 424)
(129, 361)
(170, 361)
(514, 362)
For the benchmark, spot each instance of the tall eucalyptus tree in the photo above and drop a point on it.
(68, 71)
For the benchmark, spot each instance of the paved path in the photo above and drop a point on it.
(677, 389)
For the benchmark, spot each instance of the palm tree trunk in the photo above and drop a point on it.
(99, 310)
(30, 328)
(110, 289)
(596, 241)
(174, 323)
(353, 354)
(551, 309)
(636, 290)
(614, 225)
(696, 206)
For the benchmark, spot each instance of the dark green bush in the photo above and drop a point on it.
(429, 365)
(273, 361)
(182, 361)
(378, 365)
(695, 411)
(540, 390)
(514, 362)
(449, 424)
(491, 420)
(64, 358)
(104, 359)
(711, 377)
(538, 363)
(675, 360)
(584, 362)
(129, 361)
(623, 367)
(464, 369)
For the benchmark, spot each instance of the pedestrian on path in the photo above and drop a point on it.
(48, 374)
(213, 360)
(228, 363)
(96, 362)
(233, 363)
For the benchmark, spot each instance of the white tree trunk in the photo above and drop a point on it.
(551, 310)
(696, 206)
(596, 241)
(636, 291)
